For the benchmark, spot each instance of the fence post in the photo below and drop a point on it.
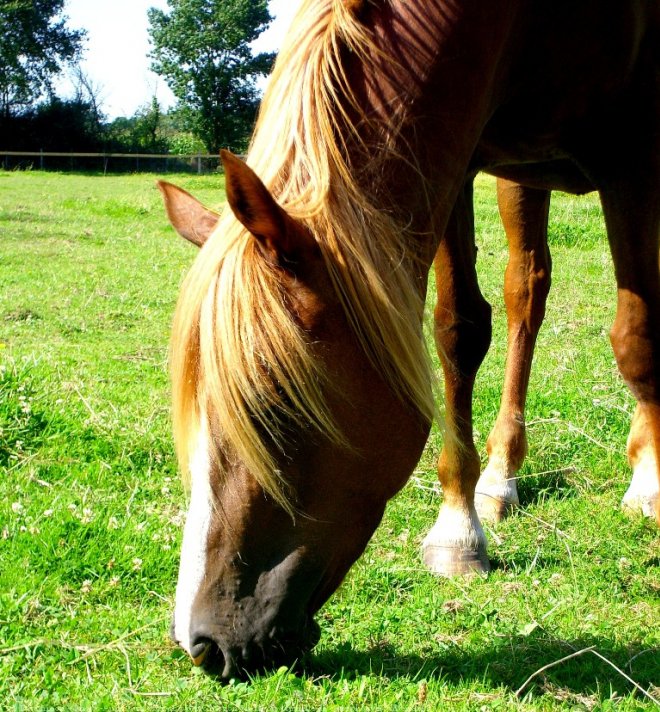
(199, 164)
(41, 159)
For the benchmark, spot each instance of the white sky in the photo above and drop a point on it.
(117, 44)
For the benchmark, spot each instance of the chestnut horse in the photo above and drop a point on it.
(524, 213)
(301, 385)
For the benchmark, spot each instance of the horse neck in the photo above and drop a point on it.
(431, 85)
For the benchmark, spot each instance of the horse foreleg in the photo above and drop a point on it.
(456, 544)
(524, 213)
(632, 216)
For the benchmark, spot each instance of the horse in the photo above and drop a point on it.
(524, 214)
(301, 387)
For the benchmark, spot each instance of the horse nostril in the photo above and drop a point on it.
(200, 649)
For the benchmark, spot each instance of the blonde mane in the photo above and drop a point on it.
(236, 350)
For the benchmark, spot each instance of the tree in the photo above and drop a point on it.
(147, 131)
(53, 125)
(34, 45)
(87, 91)
(202, 49)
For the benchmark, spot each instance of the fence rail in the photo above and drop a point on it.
(162, 162)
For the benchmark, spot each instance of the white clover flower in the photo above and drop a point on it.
(178, 519)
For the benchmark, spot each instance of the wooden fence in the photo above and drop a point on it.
(110, 162)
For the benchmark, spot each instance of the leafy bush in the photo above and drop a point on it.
(183, 144)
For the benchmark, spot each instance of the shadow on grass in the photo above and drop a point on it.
(552, 484)
(521, 561)
(507, 662)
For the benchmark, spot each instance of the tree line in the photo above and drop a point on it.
(201, 48)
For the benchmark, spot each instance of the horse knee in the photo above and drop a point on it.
(463, 339)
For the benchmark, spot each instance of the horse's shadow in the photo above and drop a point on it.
(508, 662)
(553, 483)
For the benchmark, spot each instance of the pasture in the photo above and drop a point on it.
(91, 507)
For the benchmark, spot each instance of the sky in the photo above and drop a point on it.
(115, 56)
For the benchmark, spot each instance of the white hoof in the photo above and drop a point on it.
(456, 545)
(496, 493)
(643, 492)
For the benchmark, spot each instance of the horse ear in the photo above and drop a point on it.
(254, 206)
(187, 215)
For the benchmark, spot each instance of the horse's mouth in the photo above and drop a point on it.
(233, 661)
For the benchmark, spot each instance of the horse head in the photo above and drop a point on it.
(262, 552)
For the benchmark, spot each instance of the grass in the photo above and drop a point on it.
(91, 508)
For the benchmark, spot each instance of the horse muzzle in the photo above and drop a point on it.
(235, 659)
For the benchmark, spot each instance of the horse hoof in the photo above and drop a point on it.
(643, 494)
(453, 561)
(646, 506)
(496, 493)
(491, 507)
(456, 544)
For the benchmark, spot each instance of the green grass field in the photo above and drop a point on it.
(91, 508)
